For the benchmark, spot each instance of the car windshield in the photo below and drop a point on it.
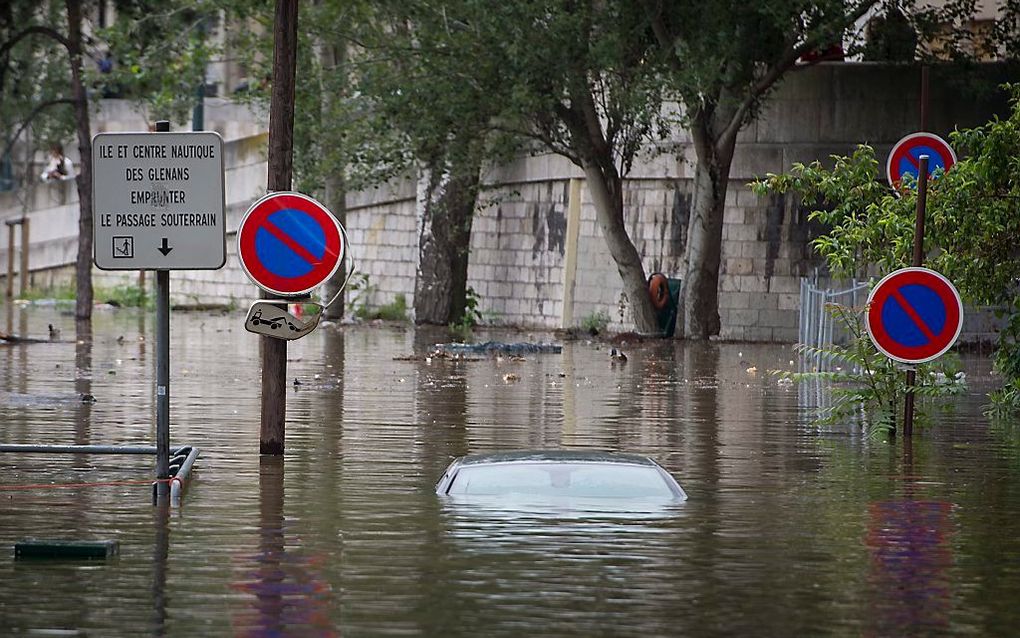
(582, 480)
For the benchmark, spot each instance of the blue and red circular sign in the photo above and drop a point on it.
(905, 157)
(289, 243)
(914, 315)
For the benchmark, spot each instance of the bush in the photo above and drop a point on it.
(595, 322)
(869, 384)
(393, 311)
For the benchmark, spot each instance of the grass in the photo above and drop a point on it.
(595, 322)
(127, 296)
(60, 292)
(396, 310)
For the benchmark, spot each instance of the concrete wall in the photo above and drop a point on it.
(517, 253)
(520, 253)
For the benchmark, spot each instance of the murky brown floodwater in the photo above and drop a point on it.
(788, 531)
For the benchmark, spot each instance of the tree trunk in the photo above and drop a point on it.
(447, 204)
(606, 190)
(333, 60)
(83, 266)
(704, 236)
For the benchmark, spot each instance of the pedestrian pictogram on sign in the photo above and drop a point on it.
(914, 315)
(904, 159)
(289, 243)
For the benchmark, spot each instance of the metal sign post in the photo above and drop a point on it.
(914, 315)
(158, 201)
(162, 373)
(922, 203)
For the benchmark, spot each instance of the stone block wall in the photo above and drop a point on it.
(383, 229)
(519, 256)
(517, 252)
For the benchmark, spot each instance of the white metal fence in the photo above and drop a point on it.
(818, 328)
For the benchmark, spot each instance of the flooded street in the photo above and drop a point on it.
(788, 530)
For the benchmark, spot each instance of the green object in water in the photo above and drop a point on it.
(34, 548)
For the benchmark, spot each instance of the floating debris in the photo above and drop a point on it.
(436, 354)
(497, 346)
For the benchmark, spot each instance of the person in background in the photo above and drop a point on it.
(59, 167)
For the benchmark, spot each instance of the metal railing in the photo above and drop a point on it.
(182, 460)
(818, 328)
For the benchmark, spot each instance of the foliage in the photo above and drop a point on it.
(595, 322)
(396, 310)
(127, 295)
(361, 291)
(57, 292)
(158, 53)
(972, 221)
(865, 381)
(124, 295)
(32, 86)
(387, 87)
(1005, 400)
(471, 318)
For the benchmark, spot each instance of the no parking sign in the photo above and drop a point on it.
(289, 243)
(904, 158)
(914, 315)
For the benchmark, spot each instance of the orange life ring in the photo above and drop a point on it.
(658, 290)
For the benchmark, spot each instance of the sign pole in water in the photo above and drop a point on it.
(162, 374)
(922, 202)
(281, 163)
(914, 315)
(158, 204)
(919, 155)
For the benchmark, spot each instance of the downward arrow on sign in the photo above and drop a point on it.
(164, 248)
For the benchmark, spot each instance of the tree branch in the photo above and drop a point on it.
(661, 33)
(40, 30)
(544, 136)
(28, 120)
(781, 66)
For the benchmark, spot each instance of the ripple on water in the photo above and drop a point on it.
(789, 530)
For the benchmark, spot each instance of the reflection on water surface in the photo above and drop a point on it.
(788, 531)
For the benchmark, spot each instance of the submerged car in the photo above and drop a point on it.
(559, 473)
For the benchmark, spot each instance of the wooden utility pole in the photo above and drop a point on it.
(10, 258)
(281, 164)
(24, 255)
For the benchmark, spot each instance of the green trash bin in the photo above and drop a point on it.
(665, 295)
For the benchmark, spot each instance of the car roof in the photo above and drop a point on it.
(561, 456)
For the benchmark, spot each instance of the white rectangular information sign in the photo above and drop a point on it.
(158, 201)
